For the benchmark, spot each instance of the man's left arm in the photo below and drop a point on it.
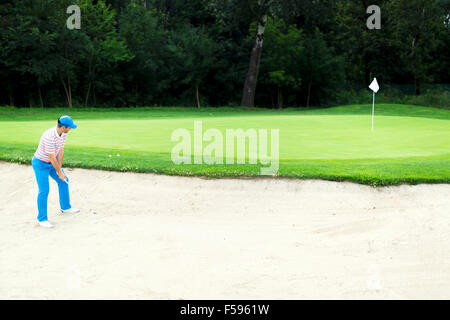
(60, 156)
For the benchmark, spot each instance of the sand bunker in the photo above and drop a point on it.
(162, 237)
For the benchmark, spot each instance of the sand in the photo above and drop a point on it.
(164, 237)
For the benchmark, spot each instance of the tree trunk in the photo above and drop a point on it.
(40, 97)
(95, 96)
(70, 92)
(415, 45)
(90, 77)
(417, 86)
(196, 95)
(416, 78)
(367, 77)
(67, 91)
(309, 92)
(67, 87)
(87, 94)
(280, 98)
(11, 96)
(414, 67)
(271, 98)
(248, 96)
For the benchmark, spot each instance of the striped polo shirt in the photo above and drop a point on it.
(50, 142)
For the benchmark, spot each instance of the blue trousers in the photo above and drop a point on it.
(42, 170)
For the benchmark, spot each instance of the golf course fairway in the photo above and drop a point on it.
(409, 144)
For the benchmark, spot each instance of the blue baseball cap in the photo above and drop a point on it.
(67, 121)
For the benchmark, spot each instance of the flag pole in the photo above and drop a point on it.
(373, 108)
(374, 87)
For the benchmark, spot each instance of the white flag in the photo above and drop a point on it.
(374, 85)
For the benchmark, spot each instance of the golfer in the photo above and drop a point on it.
(47, 161)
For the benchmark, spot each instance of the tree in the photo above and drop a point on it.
(417, 23)
(31, 45)
(104, 47)
(71, 46)
(197, 57)
(322, 69)
(362, 48)
(280, 67)
(147, 74)
(147, 52)
(300, 64)
(248, 96)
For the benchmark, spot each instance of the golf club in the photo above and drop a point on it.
(82, 198)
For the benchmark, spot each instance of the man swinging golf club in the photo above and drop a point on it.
(47, 160)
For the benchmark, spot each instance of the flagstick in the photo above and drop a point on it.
(373, 108)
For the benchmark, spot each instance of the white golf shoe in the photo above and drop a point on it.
(45, 224)
(71, 210)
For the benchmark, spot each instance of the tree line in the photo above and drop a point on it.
(270, 53)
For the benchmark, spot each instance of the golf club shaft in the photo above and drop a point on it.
(79, 195)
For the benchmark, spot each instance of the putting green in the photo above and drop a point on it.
(409, 144)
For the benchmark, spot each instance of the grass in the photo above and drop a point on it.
(410, 144)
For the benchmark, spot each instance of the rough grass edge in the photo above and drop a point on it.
(363, 180)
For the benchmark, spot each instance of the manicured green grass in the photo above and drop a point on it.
(409, 144)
